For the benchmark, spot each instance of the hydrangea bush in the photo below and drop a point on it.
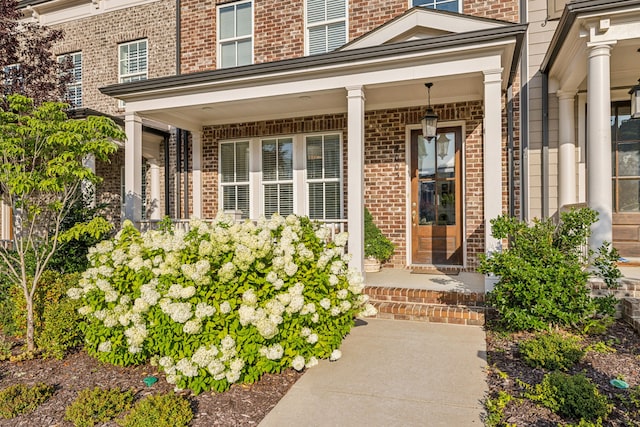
(222, 303)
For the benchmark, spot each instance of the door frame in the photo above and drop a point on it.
(407, 166)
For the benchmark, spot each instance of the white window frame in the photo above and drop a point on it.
(278, 182)
(339, 179)
(76, 83)
(235, 182)
(144, 75)
(324, 23)
(436, 2)
(300, 184)
(235, 39)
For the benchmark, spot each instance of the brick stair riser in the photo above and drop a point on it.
(422, 296)
(430, 313)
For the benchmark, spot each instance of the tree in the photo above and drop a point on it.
(27, 65)
(42, 153)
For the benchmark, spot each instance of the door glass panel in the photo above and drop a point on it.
(447, 203)
(427, 203)
(426, 157)
(446, 148)
(629, 159)
(629, 197)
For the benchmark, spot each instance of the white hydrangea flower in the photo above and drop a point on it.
(325, 303)
(342, 293)
(311, 362)
(216, 367)
(206, 248)
(323, 233)
(110, 321)
(272, 276)
(105, 346)
(192, 326)
(140, 306)
(228, 343)
(297, 289)
(305, 332)
(165, 361)
(236, 364)
(345, 306)
(187, 368)
(336, 267)
(335, 355)
(266, 328)
(274, 307)
(249, 297)
(179, 312)
(227, 272)
(232, 376)
(333, 280)
(247, 314)
(296, 304)
(204, 310)
(225, 307)
(315, 318)
(172, 378)
(308, 308)
(291, 269)
(285, 299)
(204, 356)
(298, 363)
(74, 293)
(274, 352)
(134, 349)
(335, 311)
(312, 339)
(85, 310)
(279, 283)
(369, 310)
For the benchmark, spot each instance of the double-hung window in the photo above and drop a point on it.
(277, 176)
(323, 176)
(326, 25)
(134, 60)
(74, 87)
(450, 5)
(235, 35)
(234, 176)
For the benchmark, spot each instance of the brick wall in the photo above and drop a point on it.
(385, 165)
(98, 38)
(504, 10)
(108, 191)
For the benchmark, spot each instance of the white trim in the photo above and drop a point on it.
(57, 12)
(196, 154)
(220, 41)
(434, 1)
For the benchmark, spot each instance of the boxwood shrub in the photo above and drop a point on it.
(222, 303)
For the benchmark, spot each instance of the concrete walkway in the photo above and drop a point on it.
(393, 373)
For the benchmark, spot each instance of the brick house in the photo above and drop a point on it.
(315, 107)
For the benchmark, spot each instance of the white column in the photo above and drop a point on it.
(133, 168)
(355, 175)
(155, 211)
(599, 195)
(567, 149)
(492, 155)
(582, 150)
(196, 176)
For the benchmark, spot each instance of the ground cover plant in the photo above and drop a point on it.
(97, 405)
(21, 398)
(224, 303)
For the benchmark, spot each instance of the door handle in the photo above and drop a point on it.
(413, 217)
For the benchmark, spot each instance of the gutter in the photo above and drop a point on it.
(335, 58)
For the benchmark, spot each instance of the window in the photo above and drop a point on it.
(625, 141)
(450, 5)
(323, 176)
(299, 174)
(133, 61)
(74, 87)
(326, 25)
(277, 176)
(11, 78)
(234, 171)
(235, 29)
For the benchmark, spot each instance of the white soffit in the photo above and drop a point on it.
(420, 23)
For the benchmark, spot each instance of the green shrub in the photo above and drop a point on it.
(543, 281)
(572, 396)
(19, 399)
(61, 329)
(161, 410)
(5, 348)
(376, 244)
(551, 351)
(495, 409)
(93, 406)
(224, 303)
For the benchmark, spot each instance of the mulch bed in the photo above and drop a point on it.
(502, 356)
(242, 405)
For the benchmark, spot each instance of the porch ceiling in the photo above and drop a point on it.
(304, 104)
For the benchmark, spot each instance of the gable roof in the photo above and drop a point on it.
(420, 23)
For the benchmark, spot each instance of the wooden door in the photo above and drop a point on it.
(436, 198)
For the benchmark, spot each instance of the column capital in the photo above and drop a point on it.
(566, 94)
(492, 76)
(600, 48)
(355, 91)
(132, 117)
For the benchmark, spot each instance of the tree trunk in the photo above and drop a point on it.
(30, 330)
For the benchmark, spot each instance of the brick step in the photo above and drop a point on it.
(631, 312)
(462, 308)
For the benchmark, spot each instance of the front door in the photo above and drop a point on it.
(436, 198)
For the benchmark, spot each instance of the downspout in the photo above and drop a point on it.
(545, 145)
(524, 119)
(178, 133)
(510, 158)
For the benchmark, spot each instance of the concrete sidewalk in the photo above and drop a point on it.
(393, 373)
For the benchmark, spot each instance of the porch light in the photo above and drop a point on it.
(430, 119)
(635, 101)
(443, 146)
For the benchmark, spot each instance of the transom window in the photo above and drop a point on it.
(625, 141)
(326, 25)
(234, 171)
(235, 35)
(74, 87)
(450, 5)
(297, 174)
(133, 59)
